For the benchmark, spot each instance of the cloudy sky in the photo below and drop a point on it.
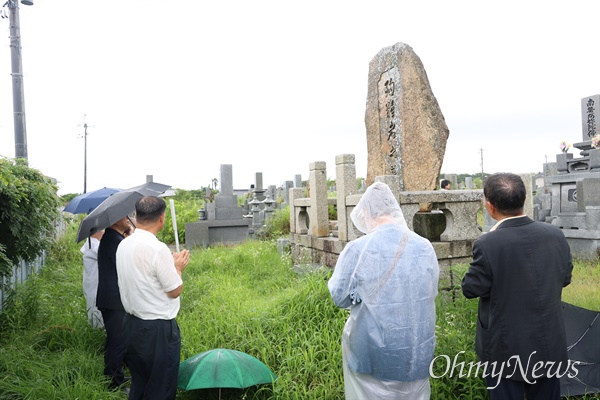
(175, 89)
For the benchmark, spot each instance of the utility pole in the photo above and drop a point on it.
(17, 77)
(85, 135)
(481, 151)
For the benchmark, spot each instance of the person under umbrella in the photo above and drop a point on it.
(111, 210)
(108, 301)
(89, 252)
(83, 204)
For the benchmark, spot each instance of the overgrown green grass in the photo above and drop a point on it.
(246, 298)
(584, 290)
(47, 348)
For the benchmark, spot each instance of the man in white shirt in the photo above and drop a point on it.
(150, 284)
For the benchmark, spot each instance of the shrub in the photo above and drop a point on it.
(187, 205)
(24, 194)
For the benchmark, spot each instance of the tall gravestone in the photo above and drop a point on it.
(453, 178)
(286, 191)
(406, 131)
(224, 222)
(225, 205)
(259, 191)
(468, 182)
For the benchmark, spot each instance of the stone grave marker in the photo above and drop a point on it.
(453, 178)
(221, 221)
(590, 117)
(469, 182)
(286, 191)
(406, 131)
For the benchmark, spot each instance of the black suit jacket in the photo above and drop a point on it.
(518, 272)
(108, 296)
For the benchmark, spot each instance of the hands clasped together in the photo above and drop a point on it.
(181, 259)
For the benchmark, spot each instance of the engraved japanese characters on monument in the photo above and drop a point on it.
(390, 124)
(406, 131)
(590, 110)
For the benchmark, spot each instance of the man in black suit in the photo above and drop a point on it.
(518, 271)
(108, 301)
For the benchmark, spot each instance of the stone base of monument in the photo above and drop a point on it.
(576, 211)
(429, 225)
(213, 232)
(585, 245)
(584, 249)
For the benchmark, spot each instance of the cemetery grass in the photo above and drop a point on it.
(246, 298)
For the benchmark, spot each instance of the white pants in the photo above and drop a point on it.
(94, 315)
(366, 387)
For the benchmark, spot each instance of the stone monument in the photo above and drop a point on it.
(223, 221)
(406, 131)
(574, 184)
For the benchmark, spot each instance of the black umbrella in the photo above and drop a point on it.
(151, 188)
(582, 327)
(115, 207)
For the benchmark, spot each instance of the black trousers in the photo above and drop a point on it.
(543, 389)
(153, 355)
(114, 348)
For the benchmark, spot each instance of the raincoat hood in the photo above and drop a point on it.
(377, 206)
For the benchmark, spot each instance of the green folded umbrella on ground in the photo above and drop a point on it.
(223, 368)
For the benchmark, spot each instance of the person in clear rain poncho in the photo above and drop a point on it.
(388, 279)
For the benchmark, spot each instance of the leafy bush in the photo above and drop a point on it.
(187, 205)
(332, 212)
(24, 193)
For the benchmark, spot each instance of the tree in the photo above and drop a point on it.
(29, 207)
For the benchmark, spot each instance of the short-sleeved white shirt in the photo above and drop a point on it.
(146, 272)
